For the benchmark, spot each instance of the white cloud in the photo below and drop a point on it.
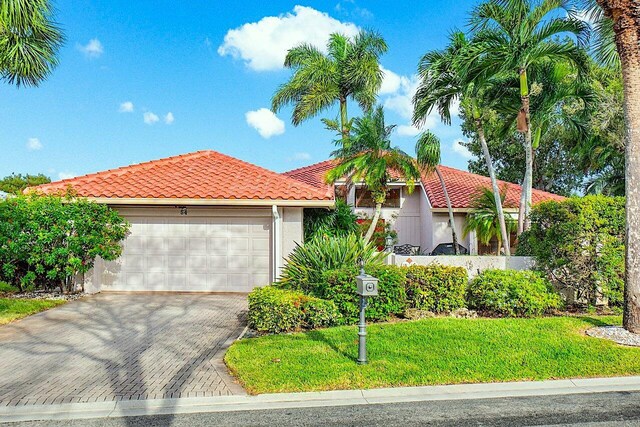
(66, 175)
(168, 118)
(300, 156)
(408, 130)
(397, 95)
(390, 82)
(265, 122)
(460, 149)
(93, 49)
(150, 118)
(401, 100)
(34, 144)
(126, 107)
(263, 45)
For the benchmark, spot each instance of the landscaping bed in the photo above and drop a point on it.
(16, 308)
(431, 351)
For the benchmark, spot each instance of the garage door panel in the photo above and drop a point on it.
(261, 263)
(238, 262)
(155, 245)
(217, 246)
(197, 263)
(176, 262)
(176, 244)
(197, 282)
(215, 253)
(217, 262)
(177, 281)
(134, 243)
(238, 245)
(198, 228)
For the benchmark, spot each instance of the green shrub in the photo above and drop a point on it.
(279, 310)
(579, 243)
(319, 313)
(436, 288)
(339, 221)
(339, 286)
(307, 263)
(6, 288)
(46, 241)
(512, 293)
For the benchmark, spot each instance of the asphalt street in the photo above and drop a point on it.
(595, 409)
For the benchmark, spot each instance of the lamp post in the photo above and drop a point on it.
(367, 287)
(388, 244)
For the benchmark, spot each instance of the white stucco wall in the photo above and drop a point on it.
(405, 220)
(441, 231)
(292, 232)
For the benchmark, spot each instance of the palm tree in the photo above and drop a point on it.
(510, 37)
(29, 41)
(484, 219)
(350, 70)
(428, 156)
(442, 83)
(369, 158)
(625, 16)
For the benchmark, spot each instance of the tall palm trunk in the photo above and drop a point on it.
(494, 185)
(524, 126)
(626, 20)
(374, 223)
(454, 234)
(344, 119)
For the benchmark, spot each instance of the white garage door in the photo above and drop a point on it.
(217, 254)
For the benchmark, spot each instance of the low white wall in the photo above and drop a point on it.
(473, 264)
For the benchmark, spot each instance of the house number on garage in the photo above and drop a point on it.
(183, 210)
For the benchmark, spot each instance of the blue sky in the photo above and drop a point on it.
(141, 80)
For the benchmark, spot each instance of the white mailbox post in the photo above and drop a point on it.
(367, 287)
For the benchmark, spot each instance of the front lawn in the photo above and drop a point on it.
(14, 309)
(432, 351)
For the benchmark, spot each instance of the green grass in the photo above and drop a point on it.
(432, 351)
(14, 309)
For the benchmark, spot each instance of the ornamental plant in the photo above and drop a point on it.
(579, 243)
(49, 240)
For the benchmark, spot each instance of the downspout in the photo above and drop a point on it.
(277, 242)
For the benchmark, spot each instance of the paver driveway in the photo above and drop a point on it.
(121, 347)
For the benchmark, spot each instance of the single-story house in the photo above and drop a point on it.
(199, 222)
(206, 221)
(421, 218)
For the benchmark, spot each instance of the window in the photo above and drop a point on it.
(364, 199)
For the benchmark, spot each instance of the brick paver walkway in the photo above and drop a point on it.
(121, 347)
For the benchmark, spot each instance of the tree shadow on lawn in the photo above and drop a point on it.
(319, 335)
(595, 321)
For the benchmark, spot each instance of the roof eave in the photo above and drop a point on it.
(324, 203)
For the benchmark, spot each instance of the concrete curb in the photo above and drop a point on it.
(71, 411)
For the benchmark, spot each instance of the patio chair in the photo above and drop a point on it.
(406, 250)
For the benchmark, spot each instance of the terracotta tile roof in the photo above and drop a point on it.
(199, 175)
(461, 185)
(313, 174)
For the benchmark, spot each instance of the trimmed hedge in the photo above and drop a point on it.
(512, 293)
(340, 287)
(436, 288)
(279, 310)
